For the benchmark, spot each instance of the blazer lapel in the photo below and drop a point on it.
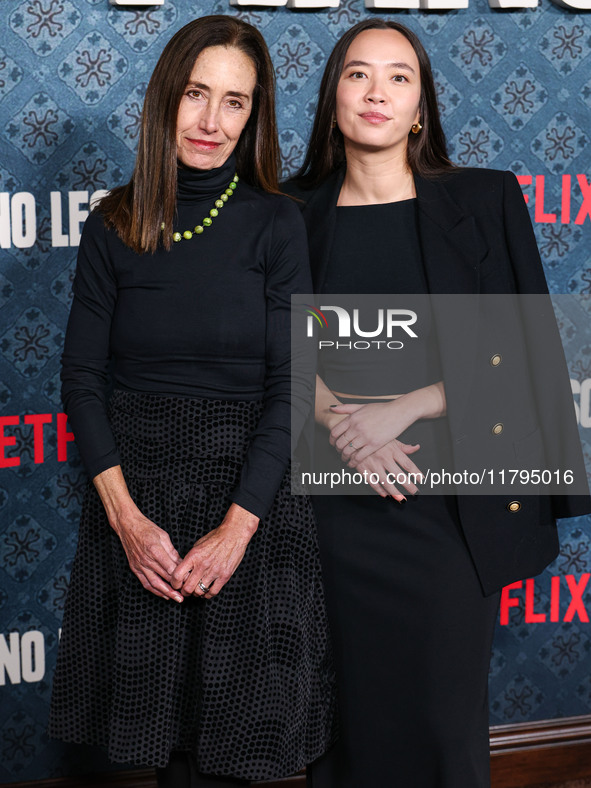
(451, 246)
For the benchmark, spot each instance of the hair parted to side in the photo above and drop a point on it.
(138, 210)
(426, 151)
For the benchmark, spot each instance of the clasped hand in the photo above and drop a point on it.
(367, 439)
(367, 428)
(209, 564)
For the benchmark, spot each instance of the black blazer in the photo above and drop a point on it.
(476, 238)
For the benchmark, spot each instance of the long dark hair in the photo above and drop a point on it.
(138, 210)
(426, 151)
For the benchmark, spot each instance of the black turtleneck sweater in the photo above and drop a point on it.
(210, 318)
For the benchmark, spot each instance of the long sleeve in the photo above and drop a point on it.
(86, 356)
(287, 272)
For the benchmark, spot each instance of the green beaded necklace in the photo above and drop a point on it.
(207, 222)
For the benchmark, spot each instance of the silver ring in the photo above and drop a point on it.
(205, 589)
(351, 445)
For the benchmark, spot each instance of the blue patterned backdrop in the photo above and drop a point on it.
(515, 92)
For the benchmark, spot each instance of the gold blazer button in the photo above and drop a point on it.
(496, 360)
(497, 429)
(514, 506)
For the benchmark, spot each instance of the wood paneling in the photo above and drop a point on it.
(541, 752)
(522, 756)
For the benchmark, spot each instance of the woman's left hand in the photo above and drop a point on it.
(369, 427)
(212, 561)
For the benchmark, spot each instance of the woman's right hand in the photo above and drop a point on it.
(391, 460)
(151, 555)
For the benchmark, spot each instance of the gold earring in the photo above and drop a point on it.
(334, 122)
(415, 128)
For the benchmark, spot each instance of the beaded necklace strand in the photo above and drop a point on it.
(207, 222)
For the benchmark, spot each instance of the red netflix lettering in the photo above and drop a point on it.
(63, 437)
(583, 212)
(539, 207)
(585, 209)
(6, 441)
(576, 605)
(507, 601)
(565, 202)
(555, 599)
(38, 420)
(531, 617)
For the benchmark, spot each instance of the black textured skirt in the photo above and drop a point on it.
(244, 680)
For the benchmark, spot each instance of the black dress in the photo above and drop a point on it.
(196, 343)
(411, 627)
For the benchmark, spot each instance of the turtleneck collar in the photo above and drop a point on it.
(197, 185)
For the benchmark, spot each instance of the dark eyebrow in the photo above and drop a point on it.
(235, 93)
(355, 63)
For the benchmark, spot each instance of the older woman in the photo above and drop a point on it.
(194, 636)
(413, 582)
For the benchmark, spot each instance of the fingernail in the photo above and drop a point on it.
(336, 405)
(178, 599)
